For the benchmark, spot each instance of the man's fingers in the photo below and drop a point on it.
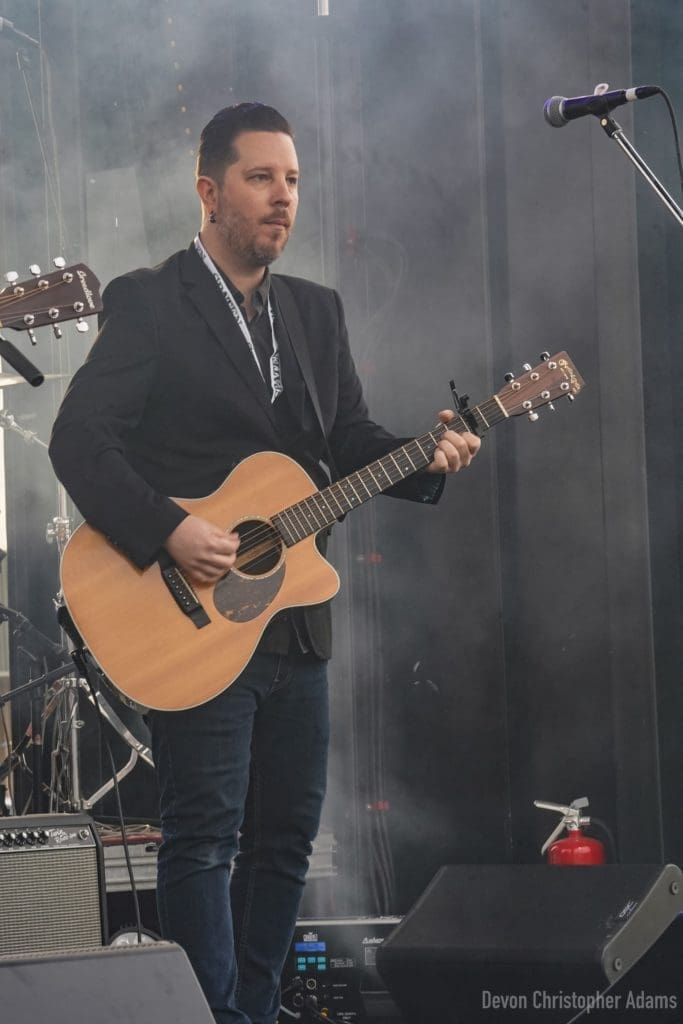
(222, 543)
(202, 550)
(455, 451)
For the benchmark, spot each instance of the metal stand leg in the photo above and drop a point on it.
(37, 798)
(75, 724)
(109, 785)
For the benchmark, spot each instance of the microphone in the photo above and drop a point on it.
(21, 364)
(36, 641)
(559, 111)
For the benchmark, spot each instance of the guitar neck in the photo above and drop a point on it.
(324, 507)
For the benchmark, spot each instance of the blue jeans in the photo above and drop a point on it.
(241, 781)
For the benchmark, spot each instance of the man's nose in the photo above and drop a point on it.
(281, 193)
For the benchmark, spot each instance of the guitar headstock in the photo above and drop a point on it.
(68, 293)
(554, 377)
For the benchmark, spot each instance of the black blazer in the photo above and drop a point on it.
(169, 400)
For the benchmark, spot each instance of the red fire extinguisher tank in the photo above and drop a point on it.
(574, 848)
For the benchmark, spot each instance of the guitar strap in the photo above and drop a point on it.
(288, 313)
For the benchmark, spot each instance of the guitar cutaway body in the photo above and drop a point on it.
(142, 640)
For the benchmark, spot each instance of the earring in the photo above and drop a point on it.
(212, 217)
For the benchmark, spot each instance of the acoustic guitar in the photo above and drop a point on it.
(169, 644)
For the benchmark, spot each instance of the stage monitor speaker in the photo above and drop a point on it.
(150, 984)
(537, 943)
(52, 894)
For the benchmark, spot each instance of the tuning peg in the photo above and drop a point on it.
(35, 270)
(11, 276)
(570, 397)
(533, 416)
(32, 336)
(544, 357)
(57, 331)
(59, 262)
(509, 377)
(551, 407)
(82, 325)
(527, 367)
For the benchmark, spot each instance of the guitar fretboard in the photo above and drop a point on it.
(324, 507)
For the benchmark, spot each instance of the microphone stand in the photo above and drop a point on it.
(615, 131)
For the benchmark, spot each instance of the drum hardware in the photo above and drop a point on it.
(125, 720)
(58, 530)
(123, 717)
(63, 700)
(42, 707)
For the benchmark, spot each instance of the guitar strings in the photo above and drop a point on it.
(8, 299)
(415, 448)
(254, 537)
(9, 296)
(492, 413)
(265, 531)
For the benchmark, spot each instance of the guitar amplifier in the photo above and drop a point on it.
(51, 884)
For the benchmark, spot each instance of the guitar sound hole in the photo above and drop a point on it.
(260, 547)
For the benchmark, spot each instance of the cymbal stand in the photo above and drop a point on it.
(58, 531)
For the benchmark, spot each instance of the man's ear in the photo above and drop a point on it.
(207, 190)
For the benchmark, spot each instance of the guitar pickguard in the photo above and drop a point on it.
(242, 598)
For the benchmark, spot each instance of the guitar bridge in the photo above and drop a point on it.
(183, 594)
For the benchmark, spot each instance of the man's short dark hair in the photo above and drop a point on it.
(217, 141)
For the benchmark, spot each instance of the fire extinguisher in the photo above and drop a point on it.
(575, 847)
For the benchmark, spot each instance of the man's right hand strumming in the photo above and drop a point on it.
(201, 550)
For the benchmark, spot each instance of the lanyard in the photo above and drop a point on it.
(276, 387)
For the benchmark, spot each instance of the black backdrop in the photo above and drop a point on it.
(522, 640)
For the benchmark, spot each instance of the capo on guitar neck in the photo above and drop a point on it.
(463, 410)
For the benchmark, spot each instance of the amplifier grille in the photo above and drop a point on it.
(49, 900)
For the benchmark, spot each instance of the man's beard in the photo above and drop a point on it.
(241, 242)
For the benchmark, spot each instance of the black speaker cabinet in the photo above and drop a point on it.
(150, 984)
(52, 893)
(541, 944)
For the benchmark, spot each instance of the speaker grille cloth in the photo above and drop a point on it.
(49, 900)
